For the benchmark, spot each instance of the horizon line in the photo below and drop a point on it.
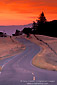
(22, 24)
(16, 25)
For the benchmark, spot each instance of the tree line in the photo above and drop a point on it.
(42, 27)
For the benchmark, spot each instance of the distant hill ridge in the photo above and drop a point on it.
(15, 25)
(12, 28)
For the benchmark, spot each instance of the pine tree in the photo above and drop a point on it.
(42, 19)
(34, 25)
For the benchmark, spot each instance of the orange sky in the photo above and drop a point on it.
(18, 12)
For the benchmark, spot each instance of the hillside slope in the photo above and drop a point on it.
(9, 46)
(47, 57)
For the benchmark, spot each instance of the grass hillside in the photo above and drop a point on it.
(9, 46)
(47, 57)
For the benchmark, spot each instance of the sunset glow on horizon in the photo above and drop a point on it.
(20, 12)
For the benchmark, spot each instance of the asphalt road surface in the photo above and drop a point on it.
(20, 71)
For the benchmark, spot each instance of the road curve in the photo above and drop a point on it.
(20, 71)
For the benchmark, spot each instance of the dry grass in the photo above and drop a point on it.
(9, 48)
(46, 58)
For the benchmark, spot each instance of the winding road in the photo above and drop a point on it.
(20, 71)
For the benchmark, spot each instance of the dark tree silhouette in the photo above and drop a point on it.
(41, 19)
(27, 31)
(17, 32)
(34, 27)
(3, 34)
(40, 24)
(42, 27)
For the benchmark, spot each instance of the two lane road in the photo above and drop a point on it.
(20, 71)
